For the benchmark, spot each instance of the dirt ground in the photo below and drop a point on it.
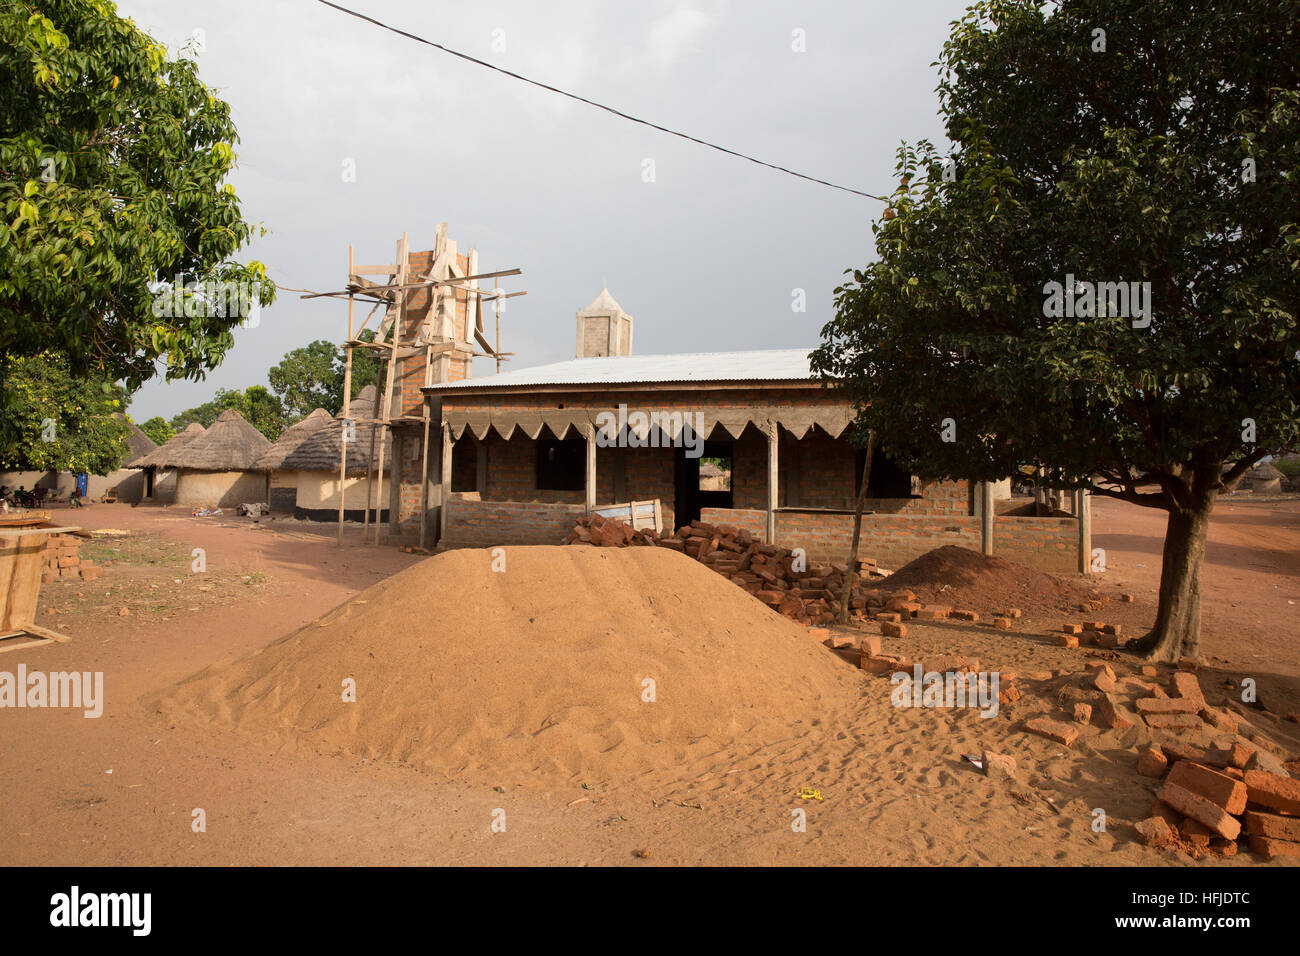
(894, 787)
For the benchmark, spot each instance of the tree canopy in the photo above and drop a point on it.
(256, 404)
(1101, 278)
(113, 161)
(62, 422)
(158, 430)
(311, 377)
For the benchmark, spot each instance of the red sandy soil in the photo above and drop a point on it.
(121, 789)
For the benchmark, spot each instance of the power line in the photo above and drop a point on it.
(599, 106)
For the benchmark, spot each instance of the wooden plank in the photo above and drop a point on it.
(6, 645)
(772, 472)
(37, 631)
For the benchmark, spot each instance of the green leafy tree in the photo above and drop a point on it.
(306, 379)
(59, 421)
(256, 404)
(311, 377)
(113, 160)
(1112, 141)
(158, 430)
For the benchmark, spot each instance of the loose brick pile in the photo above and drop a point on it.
(62, 560)
(1215, 799)
(810, 595)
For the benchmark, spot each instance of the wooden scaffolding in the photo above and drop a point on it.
(397, 340)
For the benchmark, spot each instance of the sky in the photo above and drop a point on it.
(706, 256)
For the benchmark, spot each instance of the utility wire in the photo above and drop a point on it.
(599, 106)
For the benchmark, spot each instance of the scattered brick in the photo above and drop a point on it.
(883, 664)
(840, 641)
(965, 616)
(1220, 789)
(1152, 763)
(1002, 623)
(943, 663)
(1126, 598)
(1154, 831)
(1224, 848)
(1071, 629)
(871, 644)
(1013, 613)
(1066, 640)
(1056, 730)
(889, 617)
(1196, 834)
(1008, 693)
(1170, 705)
(1184, 684)
(818, 633)
(932, 612)
(1272, 825)
(1111, 716)
(1174, 722)
(890, 629)
(1000, 766)
(1273, 790)
(1104, 679)
(1082, 713)
(1222, 719)
(1149, 671)
(1203, 811)
(1269, 848)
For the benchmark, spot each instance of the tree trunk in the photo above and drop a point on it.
(851, 574)
(1177, 631)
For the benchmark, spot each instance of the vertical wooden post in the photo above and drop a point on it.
(985, 492)
(347, 396)
(773, 431)
(591, 466)
(424, 475)
(394, 341)
(481, 467)
(343, 473)
(1083, 508)
(852, 576)
(444, 493)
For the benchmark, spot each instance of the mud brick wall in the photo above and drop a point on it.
(1048, 544)
(472, 523)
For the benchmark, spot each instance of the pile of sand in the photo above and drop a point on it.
(533, 674)
(969, 579)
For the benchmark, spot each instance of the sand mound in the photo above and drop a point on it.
(969, 579)
(534, 674)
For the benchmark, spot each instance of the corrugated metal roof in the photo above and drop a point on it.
(777, 365)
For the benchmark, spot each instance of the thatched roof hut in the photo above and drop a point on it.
(138, 443)
(274, 457)
(319, 450)
(160, 456)
(1265, 471)
(229, 444)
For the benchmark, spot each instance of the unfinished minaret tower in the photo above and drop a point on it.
(604, 328)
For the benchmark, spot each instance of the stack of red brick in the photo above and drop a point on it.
(776, 576)
(62, 560)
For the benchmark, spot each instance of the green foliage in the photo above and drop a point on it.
(1128, 165)
(312, 377)
(256, 404)
(62, 422)
(158, 430)
(113, 159)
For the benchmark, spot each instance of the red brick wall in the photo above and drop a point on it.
(1048, 544)
(472, 523)
(409, 376)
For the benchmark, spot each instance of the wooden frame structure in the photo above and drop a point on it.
(434, 341)
(20, 587)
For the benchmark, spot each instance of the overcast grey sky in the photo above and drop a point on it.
(704, 258)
